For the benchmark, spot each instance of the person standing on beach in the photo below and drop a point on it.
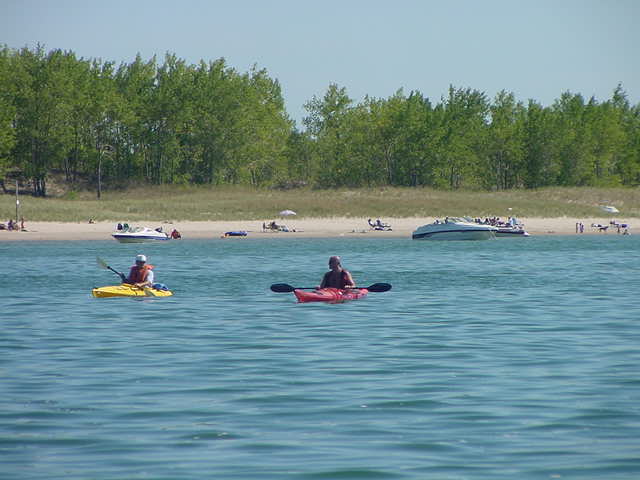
(337, 277)
(141, 274)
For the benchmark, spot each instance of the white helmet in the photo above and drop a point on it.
(141, 258)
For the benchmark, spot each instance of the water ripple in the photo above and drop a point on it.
(493, 360)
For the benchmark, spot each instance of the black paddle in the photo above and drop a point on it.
(148, 291)
(104, 265)
(286, 288)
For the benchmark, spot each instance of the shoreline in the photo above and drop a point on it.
(304, 228)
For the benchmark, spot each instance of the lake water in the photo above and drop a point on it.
(506, 359)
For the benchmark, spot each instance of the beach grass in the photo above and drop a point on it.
(191, 203)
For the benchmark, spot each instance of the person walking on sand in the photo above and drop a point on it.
(141, 274)
(337, 277)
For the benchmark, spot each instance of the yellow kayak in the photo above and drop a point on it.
(126, 290)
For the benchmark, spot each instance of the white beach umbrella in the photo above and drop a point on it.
(287, 213)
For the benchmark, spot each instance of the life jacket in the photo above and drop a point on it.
(330, 279)
(139, 274)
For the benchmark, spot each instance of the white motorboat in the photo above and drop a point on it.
(454, 229)
(511, 231)
(139, 235)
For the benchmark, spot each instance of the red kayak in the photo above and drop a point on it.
(331, 295)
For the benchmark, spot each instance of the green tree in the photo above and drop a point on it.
(571, 140)
(324, 123)
(465, 118)
(42, 92)
(621, 138)
(540, 166)
(7, 111)
(505, 143)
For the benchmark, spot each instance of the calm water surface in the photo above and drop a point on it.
(514, 358)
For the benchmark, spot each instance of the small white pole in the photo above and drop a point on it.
(17, 201)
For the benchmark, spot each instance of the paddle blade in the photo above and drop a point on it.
(379, 287)
(282, 288)
(102, 263)
(149, 292)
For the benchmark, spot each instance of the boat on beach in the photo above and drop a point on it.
(511, 231)
(139, 235)
(454, 229)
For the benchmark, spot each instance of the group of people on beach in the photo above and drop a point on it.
(622, 228)
(175, 234)
(274, 227)
(379, 225)
(13, 226)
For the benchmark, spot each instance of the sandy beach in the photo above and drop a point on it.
(304, 227)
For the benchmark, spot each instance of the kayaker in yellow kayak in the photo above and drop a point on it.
(141, 274)
(337, 277)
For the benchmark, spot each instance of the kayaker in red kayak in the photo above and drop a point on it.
(337, 277)
(141, 274)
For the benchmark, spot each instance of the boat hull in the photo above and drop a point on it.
(455, 235)
(454, 229)
(330, 295)
(511, 233)
(123, 238)
(126, 290)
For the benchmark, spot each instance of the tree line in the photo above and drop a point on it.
(177, 123)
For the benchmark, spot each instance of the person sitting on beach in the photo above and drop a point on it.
(141, 274)
(175, 234)
(337, 277)
(371, 224)
(10, 224)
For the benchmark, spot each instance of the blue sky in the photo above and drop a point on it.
(535, 49)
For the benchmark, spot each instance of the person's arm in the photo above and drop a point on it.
(349, 280)
(149, 281)
(323, 284)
